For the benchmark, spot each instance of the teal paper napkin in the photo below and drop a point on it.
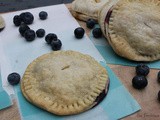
(5, 100)
(117, 104)
(112, 58)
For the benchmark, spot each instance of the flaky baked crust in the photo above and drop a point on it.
(134, 29)
(64, 82)
(87, 9)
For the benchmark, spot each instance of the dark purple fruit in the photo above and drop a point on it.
(27, 18)
(17, 20)
(56, 45)
(40, 33)
(139, 82)
(50, 37)
(159, 96)
(23, 28)
(29, 35)
(90, 23)
(79, 32)
(43, 15)
(97, 33)
(13, 78)
(158, 77)
(142, 69)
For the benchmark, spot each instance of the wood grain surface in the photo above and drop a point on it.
(147, 98)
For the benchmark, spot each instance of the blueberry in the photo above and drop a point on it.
(27, 18)
(50, 37)
(43, 15)
(79, 32)
(97, 33)
(139, 82)
(90, 23)
(40, 33)
(17, 20)
(13, 78)
(158, 77)
(56, 44)
(142, 69)
(29, 35)
(23, 28)
(159, 96)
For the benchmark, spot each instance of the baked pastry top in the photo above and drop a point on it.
(64, 82)
(133, 29)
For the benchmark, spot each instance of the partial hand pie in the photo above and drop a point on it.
(2, 23)
(65, 82)
(86, 9)
(132, 28)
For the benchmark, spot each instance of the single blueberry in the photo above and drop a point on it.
(90, 23)
(23, 28)
(43, 15)
(139, 82)
(56, 45)
(27, 18)
(159, 95)
(40, 33)
(50, 37)
(29, 35)
(13, 78)
(158, 77)
(97, 33)
(142, 69)
(17, 20)
(79, 32)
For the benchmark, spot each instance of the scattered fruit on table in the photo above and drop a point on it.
(139, 82)
(90, 23)
(29, 35)
(50, 37)
(40, 33)
(79, 32)
(56, 45)
(142, 69)
(23, 28)
(13, 78)
(43, 15)
(97, 33)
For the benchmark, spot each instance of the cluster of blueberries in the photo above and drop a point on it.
(27, 18)
(90, 23)
(140, 81)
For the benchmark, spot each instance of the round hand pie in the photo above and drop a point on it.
(132, 28)
(65, 82)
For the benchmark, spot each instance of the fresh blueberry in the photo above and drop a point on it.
(158, 77)
(29, 35)
(13, 78)
(159, 96)
(50, 37)
(56, 45)
(97, 33)
(17, 20)
(139, 82)
(43, 15)
(27, 18)
(90, 23)
(23, 28)
(79, 32)
(142, 69)
(40, 33)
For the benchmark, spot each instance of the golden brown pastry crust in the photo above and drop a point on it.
(134, 29)
(64, 82)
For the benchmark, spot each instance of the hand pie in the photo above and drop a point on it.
(65, 82)
(132, 28)
(86, 9)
